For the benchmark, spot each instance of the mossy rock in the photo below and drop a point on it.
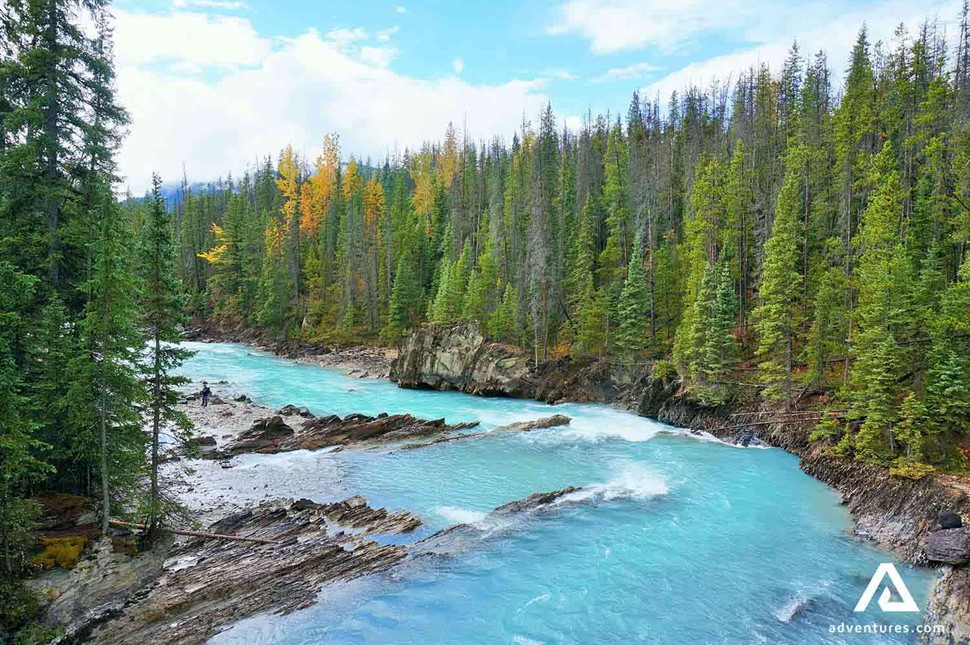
(63, 552)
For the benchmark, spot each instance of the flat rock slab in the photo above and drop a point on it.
(274, 434)
(554, 421)
(948, 545)
(209, 584)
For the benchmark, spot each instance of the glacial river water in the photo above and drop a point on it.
(681, 540)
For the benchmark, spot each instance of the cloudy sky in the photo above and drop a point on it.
(213, 84)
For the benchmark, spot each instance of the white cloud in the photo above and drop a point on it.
(226, 5)
(345, 36)
(400, 8)
(379, 56)
(630, 72)
(294, 91)
(458, 65)
(192, 40)
(384, 35)
(835, 35)
(615, 25)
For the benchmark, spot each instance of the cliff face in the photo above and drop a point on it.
(458, 357)
(896, 513)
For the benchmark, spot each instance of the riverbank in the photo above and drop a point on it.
(275, 553)
(359, 361)
(896, 513)
(244, 478)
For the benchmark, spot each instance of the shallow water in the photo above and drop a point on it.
(677, 540)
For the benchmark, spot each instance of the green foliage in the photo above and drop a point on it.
(631, 337)
(776, 318)
(907, 469)
(884, 288)
(106, 394)
(504, 324)
(591, 322)
(162, 308)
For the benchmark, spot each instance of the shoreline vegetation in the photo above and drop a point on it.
(724, 259)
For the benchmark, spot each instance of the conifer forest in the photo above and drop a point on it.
(794, 237)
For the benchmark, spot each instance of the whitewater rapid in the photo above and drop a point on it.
(673, 537)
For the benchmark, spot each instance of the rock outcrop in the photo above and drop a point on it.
(210, 583)
(949, 607)
(458, 357)
(951, 546)
(554, 421)
(273, 434)
(97, 589)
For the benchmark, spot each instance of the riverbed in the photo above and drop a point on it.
(677, 537)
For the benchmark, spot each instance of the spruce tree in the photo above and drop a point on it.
(776, 318)
(591, 322)
(884, 288)
(19, 463)
(162, 316)
(634, 323)
(106, 394)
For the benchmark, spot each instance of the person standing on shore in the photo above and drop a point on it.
(205, 394)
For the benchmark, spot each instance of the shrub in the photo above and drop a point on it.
(63, 552)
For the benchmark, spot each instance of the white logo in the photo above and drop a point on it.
(906, 602)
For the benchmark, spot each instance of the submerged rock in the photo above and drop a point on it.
(521, 426)
(554, 421)
(292, 410)
(272, 435)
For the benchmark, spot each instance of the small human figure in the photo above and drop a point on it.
(205, 394)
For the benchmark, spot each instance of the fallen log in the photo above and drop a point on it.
(201, 534)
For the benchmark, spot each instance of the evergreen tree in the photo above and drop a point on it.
(776, 318)
(504, 324)
(884, 287)
(106, 394)
(405, 299)
(591, 322)
(163, 315)
(718, 356)
(633, 319)
(19, 465)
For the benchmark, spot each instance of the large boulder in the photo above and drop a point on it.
(948, 545)
(458, 357)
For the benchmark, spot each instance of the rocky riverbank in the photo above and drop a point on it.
(273, 555)
(898, 514)
(361, 361)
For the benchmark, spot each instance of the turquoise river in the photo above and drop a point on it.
(681, 539)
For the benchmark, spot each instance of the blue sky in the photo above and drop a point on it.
(211, 84)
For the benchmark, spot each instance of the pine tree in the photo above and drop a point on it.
(718, 357)
(405, 299)
(591, 322)
(634, 303)
(884, 287)
(163, 315)
(504, 324)
(481, 293)
(106, 394)
(19, 464)
(776, 318)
